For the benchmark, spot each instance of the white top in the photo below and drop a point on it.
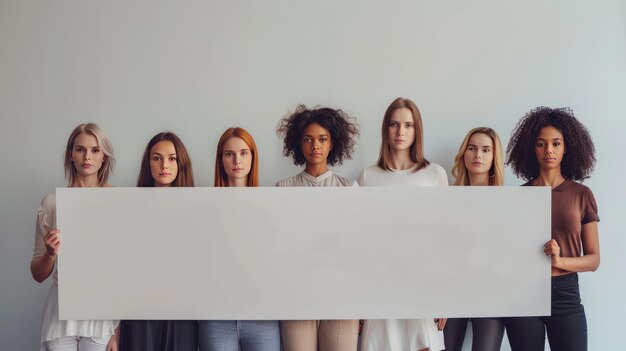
(402, 334)
(52, 327)
(326, 179)
(431, 175)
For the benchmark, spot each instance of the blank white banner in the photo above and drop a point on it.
(303, 253)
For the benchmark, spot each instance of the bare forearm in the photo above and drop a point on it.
(42, 267)
(584, 263)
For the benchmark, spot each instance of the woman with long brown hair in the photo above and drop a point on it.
(165, 163)
(402, 163)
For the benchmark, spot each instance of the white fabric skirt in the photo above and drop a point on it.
(401, 335)
(53, 328)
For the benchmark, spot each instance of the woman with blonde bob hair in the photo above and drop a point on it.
(88, 162)
(221, 173)
(461, 171)
(479, 162)
(237, 165)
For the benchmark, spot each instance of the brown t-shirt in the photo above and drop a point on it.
(573, 205)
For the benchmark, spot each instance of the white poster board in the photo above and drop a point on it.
(303, 253)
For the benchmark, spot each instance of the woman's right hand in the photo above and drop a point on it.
(53, 242)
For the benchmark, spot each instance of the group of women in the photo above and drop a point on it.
(548, 147)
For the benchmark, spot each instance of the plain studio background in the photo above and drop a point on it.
(196, 68)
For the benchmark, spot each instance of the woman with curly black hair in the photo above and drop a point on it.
(550, 147)
(317, 138)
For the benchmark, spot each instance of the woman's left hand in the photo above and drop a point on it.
(553, 249)
(441, 323)
(113, 344)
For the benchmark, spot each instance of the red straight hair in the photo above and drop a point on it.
(221, 178)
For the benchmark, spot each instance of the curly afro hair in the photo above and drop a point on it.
(343, 130)
(579, 158)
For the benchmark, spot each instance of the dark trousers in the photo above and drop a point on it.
(156, 335)
(487, 334)
(566, 328)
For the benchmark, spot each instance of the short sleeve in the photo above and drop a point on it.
(442, 176)
(361, 178)
(46, 221)
(590, 208)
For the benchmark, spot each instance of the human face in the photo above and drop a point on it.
(87, 156)
(478, 156)
(163, 165)
(316, 144)
(549, 148)
(236, 160)
(401, 132)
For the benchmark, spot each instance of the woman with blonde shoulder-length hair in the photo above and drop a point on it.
(479, 162)
(237, 165)
(88, 162)
(165, 163)
(474, 140)
(402, 163)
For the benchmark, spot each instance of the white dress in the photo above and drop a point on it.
(52, 327)
(402, 334)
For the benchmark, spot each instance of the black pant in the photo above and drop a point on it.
(487, 334)
(566, 328)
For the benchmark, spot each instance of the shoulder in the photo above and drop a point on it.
(370, 174)
(434, 170)
(342, 181)
(291, 181)
(49, 202)
(578, 188)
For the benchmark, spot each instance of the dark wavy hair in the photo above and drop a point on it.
(343, 130)
(185, 171)
(579, 157)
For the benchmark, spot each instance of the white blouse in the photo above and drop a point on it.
(52, 327)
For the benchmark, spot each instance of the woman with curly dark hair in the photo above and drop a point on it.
(402, 163)
(550, 147)
(317, 138)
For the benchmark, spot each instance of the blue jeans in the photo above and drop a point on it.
(566, 327)
(233, 335)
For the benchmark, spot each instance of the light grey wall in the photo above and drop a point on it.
(139, 67)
